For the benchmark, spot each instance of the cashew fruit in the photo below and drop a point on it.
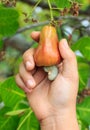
(47, 53)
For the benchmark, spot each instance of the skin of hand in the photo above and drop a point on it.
(51, 100)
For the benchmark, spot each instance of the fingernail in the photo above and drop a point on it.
(30, 83)
(28, 64)
(65, 43)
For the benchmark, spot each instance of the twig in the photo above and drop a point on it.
(31, 26)
(47, 22)
(43, 4)
(23, 29)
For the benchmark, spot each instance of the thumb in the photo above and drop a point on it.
(69, 59)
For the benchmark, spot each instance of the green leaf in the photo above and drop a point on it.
(84, 71)
(16, 112)
(83, 110)
(7, 123)
(62, 3)
(28, 122)
(83, 45)
(23, 104)
(10, 93)
(8, 21)
(0, 99)
(82, 125)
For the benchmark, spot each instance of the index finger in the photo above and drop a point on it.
(28, 59)
(28, 55)
(35, 35)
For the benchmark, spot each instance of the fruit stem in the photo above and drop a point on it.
(50, 10)
(34, 7)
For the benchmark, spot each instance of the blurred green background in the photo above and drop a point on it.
(17, 20)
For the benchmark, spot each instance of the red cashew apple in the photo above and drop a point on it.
(47, 53)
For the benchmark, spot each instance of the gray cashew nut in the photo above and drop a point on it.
(52, 72)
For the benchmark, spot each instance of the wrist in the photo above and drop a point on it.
(60, 121)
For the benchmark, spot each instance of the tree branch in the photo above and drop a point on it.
(31, 26)
(15, 37)
(47, 22)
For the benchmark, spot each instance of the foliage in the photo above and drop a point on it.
(8, 21)
(15, 113)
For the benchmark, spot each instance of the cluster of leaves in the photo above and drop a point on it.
(15, 112)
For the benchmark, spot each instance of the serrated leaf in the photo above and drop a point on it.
(28, 122)
(8, 21)
(83, 110)
(10, 93)
(83, 45)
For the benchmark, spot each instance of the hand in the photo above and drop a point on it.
(50, 99)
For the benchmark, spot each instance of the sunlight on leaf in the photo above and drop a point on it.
(16, 112)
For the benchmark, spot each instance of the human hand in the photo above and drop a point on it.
(46, 98)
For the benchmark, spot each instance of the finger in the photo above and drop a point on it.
(27, 77)
(31, 81)
(39, 76)
(28, 55)
(35, 36)
(28, 59)
(69, 59)
(21, 84)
